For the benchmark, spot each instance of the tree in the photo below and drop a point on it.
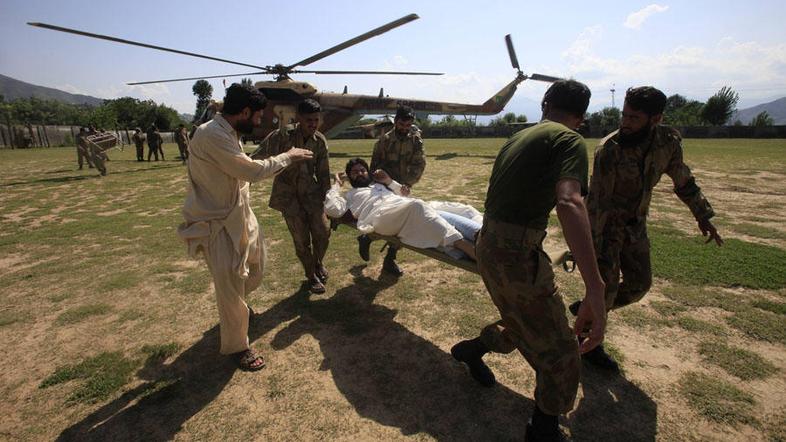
(203, 91)
(720, 107)
(762, 119)
(606, 119)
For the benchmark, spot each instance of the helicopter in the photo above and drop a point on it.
(339, 110)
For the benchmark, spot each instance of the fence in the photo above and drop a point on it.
(23, 136)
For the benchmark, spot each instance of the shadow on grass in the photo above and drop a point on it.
(612, 409)
(96, 175)
(385, 371)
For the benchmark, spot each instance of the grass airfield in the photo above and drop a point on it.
(111, 332)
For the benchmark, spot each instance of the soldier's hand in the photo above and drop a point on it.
(340, 177)
(707, 229)
(297, 154)
(381, 176)
(592, 317)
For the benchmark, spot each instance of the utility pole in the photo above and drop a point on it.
(612, 95)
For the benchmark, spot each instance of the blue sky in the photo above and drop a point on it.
(687, 47)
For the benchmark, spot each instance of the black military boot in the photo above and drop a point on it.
(364, 244)
(471, 353)
(389, 263)
(543, 427)
(599, 358)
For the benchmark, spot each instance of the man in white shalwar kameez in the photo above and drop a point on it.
(219, 221)
(382, 205)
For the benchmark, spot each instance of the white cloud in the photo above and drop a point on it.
(753, 69)
(636, 19)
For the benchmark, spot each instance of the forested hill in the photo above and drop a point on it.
(11, 89)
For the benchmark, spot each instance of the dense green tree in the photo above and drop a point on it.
(762, 119)
(720, 107)
(203, 91)
(607, 119)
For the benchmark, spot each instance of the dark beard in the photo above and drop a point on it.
(245, 127)
(360, 182)
(633, 139)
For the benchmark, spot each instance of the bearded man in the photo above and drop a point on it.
(628, 164)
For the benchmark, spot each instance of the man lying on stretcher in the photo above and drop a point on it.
(381, 205)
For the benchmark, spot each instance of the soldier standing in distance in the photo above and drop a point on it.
(299, 191)
(628, 164)
(399, 153)
(82, 153)
(537, 168)
(139, 142)
(154, 143)
(181, 138)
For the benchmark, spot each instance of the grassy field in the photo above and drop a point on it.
(111, 333)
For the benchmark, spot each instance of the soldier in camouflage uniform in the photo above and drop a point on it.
(299, 191)
(139, 142)
(96, 154)
(537, 168)
(628, 164)
(154, 143)
(400, 154)
(82, 152)
(181, 138)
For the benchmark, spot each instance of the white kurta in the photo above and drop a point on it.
(379, 209)
(219, 221)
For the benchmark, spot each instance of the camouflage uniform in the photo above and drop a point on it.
(139, 142)
(82, 152)
(516, 270)
(619, 198)
(181, 138)
(97, 155)
(401, 157)
(154, 144)
(299, 193)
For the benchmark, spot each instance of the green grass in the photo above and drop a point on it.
(738, 362)
(762, 325)
(668, 309)
(103, 375)
(770, 306)
(687, 260)
(717, 400)
(78, 314)
(160, 352)
(692, 296)
(8, 318)
(699, 326)
(759, 231)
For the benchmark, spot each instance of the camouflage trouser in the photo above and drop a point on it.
(98, 157)
(183, 148)
(625, 250)
(310, 233)
(140, 152)
(82, 155)
(518, 276)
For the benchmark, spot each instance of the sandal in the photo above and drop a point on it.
(247, 360)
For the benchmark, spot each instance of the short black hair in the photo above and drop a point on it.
(351, 163)
(239, 97)
(405, 113)
(646, 99)
(569, 96)
(308, 106)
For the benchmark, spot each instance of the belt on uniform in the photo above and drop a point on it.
(514, 233)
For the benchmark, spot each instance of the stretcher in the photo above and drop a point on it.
(101, 141)
(559, 257)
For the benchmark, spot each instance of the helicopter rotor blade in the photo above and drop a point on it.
(144, 45)
(351, 42)
(196, 78)
(512, 53)
(367, 72)
(547, 78)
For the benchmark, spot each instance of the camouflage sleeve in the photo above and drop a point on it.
(378, 155)
(323, 169)
(685, 185)
(600, 190)
(418, 163)
(269, 147)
